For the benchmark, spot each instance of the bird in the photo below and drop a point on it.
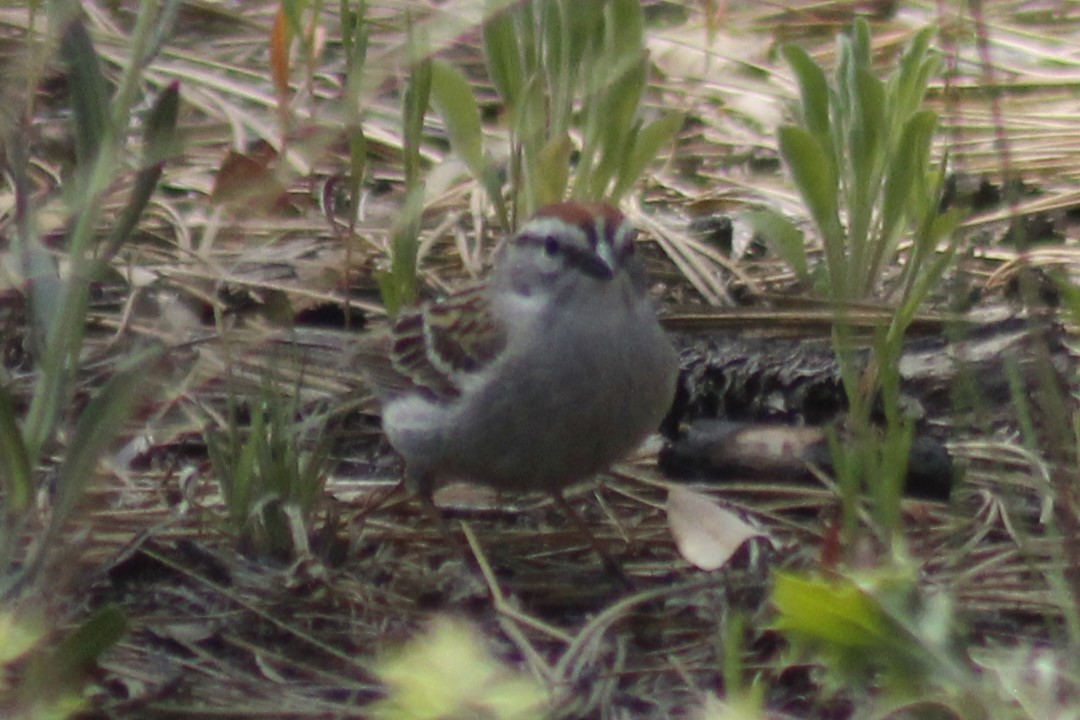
(537, 378)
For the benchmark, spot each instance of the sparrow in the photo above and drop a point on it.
(537, 378)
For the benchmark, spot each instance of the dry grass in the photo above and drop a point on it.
(215, 634)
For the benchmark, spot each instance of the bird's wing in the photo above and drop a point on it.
(429, 348)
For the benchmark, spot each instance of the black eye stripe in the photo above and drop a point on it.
(574, 256)
(549, 243)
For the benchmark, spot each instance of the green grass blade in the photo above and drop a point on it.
(625, 25)
(398, 285)
(414, 108)
(870, 104)
(813, 174)
(245, 469)
(813, 90)
(783, 236)
(160, 143)
(553, 170)
(502, 53)
(453, 96)
(16, 472)
(77, 652)
(867, 127)
(914, 72)
(89, 91)
(860, 42)
(616, 118)
(96, 428)
(907, 168)
(646, 147)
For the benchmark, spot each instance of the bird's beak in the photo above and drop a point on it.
(600, 264)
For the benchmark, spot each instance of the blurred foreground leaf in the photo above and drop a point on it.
(447, 673)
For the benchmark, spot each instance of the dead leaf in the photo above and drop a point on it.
(706, 534)
(247, 182)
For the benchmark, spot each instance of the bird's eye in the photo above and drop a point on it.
(551, 246)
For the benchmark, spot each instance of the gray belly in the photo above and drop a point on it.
(564, 420)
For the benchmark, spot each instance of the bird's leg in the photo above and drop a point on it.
(473, 557)
(610, 563)
(425, 494)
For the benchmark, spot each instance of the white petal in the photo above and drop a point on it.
(705, 534)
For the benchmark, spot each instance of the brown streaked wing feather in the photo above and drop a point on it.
(463, 334)
(429, 347)
(409, 357)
